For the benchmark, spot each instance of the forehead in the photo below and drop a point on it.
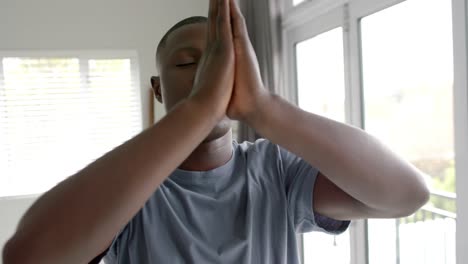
(192, 35)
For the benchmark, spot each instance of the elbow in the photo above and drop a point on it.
(11, 253)
(424, 196)
(14, 252)
(418, 196)
(413, 201)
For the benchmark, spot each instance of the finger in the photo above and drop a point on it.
(224, 21)
(239, 28)
(212, 15)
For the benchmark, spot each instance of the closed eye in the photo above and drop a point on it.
(186, 64)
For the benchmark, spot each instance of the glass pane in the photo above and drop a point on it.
(36, 106)
(321, 90)
(55, 119)
(408, 90)
(110, 78)
(320, 75)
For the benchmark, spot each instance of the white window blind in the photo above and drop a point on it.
(60, 113)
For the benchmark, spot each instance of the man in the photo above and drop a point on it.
(183, 192)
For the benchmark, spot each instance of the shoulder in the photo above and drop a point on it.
(263, 152)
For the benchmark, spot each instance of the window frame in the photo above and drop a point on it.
(460, 31)
(297, 17)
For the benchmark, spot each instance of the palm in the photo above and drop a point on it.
(248, 84)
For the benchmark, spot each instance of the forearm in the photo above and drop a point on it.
(78, 218)
(350, 158)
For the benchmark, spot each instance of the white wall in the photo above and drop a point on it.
(89, 25)
(11, 210)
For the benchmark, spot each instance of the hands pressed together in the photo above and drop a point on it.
(228, 75)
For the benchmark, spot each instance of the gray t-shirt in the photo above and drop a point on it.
(246, 211)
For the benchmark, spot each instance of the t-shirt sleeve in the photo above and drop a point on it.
(299, 179)
(112, 254)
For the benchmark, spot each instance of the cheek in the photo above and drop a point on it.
(176, 86)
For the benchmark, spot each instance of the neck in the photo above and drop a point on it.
(210, 154)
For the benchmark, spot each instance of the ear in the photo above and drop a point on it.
(156, 85)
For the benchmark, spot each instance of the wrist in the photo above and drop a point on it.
(206, 107)
(257, 114)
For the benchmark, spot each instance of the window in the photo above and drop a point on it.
(59, 113)
(321, 90)
(404, 82)
(408, 100)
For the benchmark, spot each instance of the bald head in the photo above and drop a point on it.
(187, 21)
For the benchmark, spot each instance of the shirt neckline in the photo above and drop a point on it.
(194, 176)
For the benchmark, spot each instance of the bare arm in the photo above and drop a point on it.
(76, 220)
(359, 177)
